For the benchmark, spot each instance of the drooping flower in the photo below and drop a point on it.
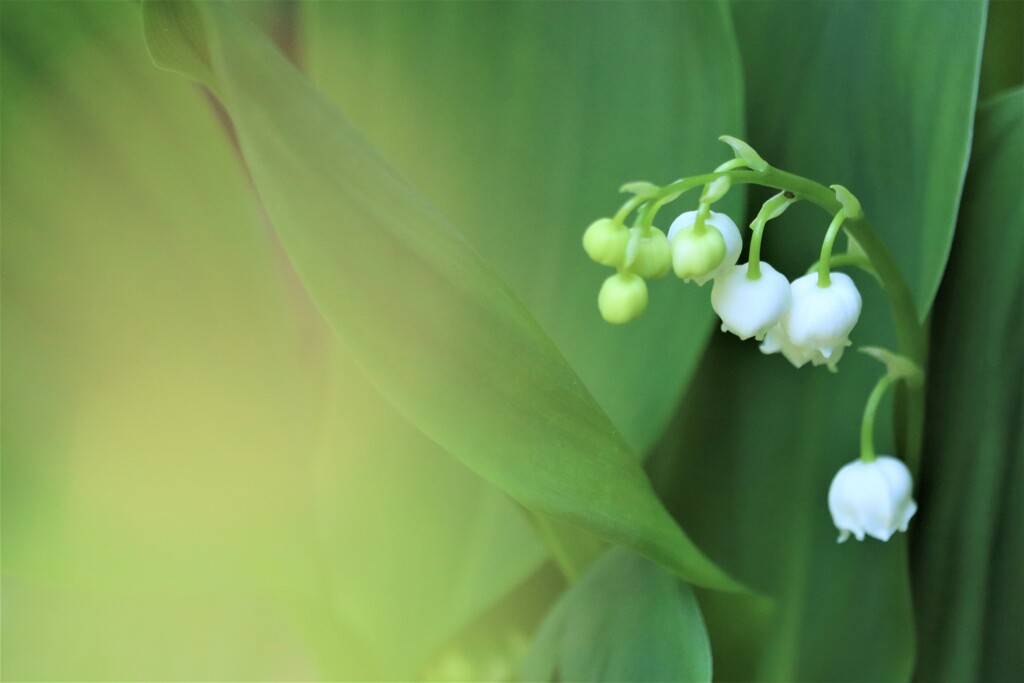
(777, 341)
(818, 323)
(750, 308)
(653, 253)
(623, 297)
(871, 498)
(605, 242)
(700, 256)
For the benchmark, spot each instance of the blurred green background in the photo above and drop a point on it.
(200, 483)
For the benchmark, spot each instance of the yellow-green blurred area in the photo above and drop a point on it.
(197, 483)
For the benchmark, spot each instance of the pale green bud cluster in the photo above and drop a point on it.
(637, 253)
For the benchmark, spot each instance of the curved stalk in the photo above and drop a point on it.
(909, 332)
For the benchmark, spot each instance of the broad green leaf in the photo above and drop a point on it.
(625, 620)
(521, 121)
(844, 93)
(968, 600)
(433, 328)
(751, 482)
(847, 92)
(1002, 62)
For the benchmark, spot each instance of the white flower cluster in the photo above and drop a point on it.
(802, 320)
(638, 254)
(808, 320)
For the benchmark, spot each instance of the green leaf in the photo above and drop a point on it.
(757, 495)
(625, 620)
(876, 120)
(969, 601)
(521, 121)
(179, 42)
(436, 332)
(750, 483)
(1002, 63)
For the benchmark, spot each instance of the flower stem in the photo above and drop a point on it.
(770, 209)
(909, 332)
(846, 259)
(867, 426)
(627, 208)
(703, 211)
(824, 263)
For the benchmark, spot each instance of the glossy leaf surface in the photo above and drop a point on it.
(897, 138)
(436, 331)
(854, 98)
(625, 620)
(968, 557)
(521, 121)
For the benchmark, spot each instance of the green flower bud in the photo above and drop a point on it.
(695, 255)
(653, 254)
(623, 298)
(605, 242)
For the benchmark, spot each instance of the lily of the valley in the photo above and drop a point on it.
(750, 308)
(817, 326)
(623, 297)
(702, 256)
(871, 498)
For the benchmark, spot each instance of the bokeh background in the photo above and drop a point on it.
(200, 483)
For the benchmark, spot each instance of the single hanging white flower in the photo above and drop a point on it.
(697, 257)
(750, 308)
(871, 498)
(818, 323)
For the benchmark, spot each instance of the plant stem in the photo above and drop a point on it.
(770, 209)
(847, 259)
(909, 332)
(867, 426)
(825, 262)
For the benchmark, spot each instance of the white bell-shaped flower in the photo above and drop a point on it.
(750, 308)
(871, 498)
(818, 323)
(777, 341)
(690, 261)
